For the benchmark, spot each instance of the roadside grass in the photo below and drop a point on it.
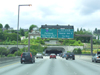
(87, 48)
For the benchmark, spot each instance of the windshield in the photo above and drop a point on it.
(49, 37)
(52, 54)
(39, 54)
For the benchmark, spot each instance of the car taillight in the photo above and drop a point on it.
(97, 57)
(21, 54)
(31, 55)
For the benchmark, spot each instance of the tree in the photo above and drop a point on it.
(13, 31)
(22, 32)
(84, 30)
(1, 26)
(31, 27)
(96, 31)
(11, 37)
(26, 34)
(81, 29)
(77, 29)
(1, 35)
(40, 29)
(7, 26)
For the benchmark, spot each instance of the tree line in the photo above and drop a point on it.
(9, 35)
(21, 32)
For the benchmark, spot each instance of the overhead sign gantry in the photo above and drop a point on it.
(57, 31)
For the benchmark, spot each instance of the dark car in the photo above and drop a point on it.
(70, 55)
(52, 56)
(27, 57)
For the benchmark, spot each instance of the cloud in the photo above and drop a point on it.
(80, 13)
(88, 7)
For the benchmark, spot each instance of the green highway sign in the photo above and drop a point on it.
(66, 33)
(48, 33)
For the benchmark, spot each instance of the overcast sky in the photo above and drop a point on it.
(79, 13)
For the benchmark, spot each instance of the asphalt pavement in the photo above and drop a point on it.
(46, 66)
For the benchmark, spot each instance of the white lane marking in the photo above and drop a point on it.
(90, 63)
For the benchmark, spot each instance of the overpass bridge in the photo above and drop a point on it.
(13, 48)
(50, 49)
(60, 49)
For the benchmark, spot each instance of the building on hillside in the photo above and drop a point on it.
(3, 29)
(35, 32)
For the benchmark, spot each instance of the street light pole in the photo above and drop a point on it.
(18, 27)
(18, 22)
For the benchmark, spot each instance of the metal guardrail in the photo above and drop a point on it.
(8, 59)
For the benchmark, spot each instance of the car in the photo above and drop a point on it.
(57, 54)
(70, 55)
(52, 55)
(39, 55)
(60, 54)
(64, 55)
(46, 54)
(96, 57)
(27, 57)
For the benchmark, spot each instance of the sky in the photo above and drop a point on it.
(79, 13)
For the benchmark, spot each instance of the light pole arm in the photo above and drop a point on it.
(26, 5)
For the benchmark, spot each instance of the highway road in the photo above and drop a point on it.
(48, 66)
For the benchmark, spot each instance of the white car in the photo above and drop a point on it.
(39, 55)
(96, 57)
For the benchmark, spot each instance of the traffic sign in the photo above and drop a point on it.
(66, 33)
(48, 33)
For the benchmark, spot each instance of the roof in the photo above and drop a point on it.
(57, 26)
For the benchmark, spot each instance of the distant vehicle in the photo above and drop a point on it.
(57, 54)
(27, 57)
(64, 55)
(60, 54)
(52, 55)
(70, 55)
(46, 54)
(39, 55)
(96, 57)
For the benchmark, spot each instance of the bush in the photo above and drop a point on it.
(60, 40)
(33, 51)
(47, 40)
(86, 52)
(11, 55)
(4, 51)
(11, 37)
(72, 42)
(68, 51)
(77, 51)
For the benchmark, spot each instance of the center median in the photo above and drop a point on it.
(88, 57)
(8, 59)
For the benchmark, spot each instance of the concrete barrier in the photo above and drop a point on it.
(8, 59)
(84, 56)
